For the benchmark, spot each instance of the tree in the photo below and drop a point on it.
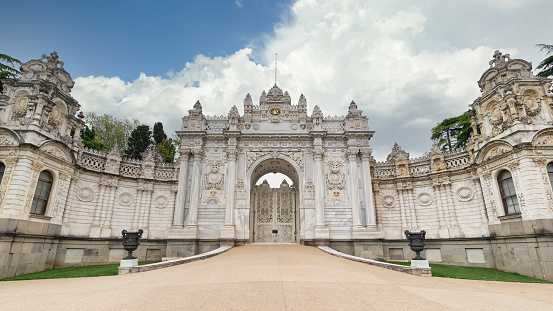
(453, 133)
(111, 130)
(139, 141)
(7, 67)
(89, 139)
(547, 64)
(159, 133)
(167, 150)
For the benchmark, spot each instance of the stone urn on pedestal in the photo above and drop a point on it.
(130, 243)
(416, 242)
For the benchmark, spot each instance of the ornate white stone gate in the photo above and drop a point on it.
(327, 159)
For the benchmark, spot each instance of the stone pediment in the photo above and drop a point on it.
(492, 150)
(544, 137)
(9, 138)
(57, 150)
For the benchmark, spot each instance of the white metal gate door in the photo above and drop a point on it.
(274, 214)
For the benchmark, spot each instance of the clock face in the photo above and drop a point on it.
(275, 111)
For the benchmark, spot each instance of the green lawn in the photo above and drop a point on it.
(71, 272)
(475, 273)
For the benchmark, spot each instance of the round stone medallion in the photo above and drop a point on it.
(424, 199)
(388, 201)
(126, 199)
(85, 194)
(464, 194)
(161, 201)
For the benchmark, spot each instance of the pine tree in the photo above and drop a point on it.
(453, 133)
(547, 63)
(7, 67)
(139, 141)
(159, 133)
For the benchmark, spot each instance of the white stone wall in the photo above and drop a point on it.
(445, 206)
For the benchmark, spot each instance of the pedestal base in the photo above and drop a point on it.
(126, 265)
(420, 263)
(190, 232)
(322, 232)
(227, 232)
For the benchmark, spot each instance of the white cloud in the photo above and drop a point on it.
(332, 52)
(239, 3)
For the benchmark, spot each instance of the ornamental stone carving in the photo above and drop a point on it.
(214, 179)
(125, 199)
(424, 199)
(397, 154)
(532, 105)
(388, 201)
(352, 154)
(240, 189)
(20, 107)
(56, 152)
(464, 194)
(540, 162)
(309, 192)
(85, 194)
(57, 115)
(253, 156)
(161, 201)
(335, 179)
(6, 140)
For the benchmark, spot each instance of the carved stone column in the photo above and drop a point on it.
(6, 180)
(178, 216)
(354, 188)
(321, 230)
(192, 223)
(227, 232)
(368, 189)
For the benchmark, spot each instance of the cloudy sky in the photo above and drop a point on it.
(407, 64)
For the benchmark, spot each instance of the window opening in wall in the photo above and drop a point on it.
(550, 173)
(3, 168)
(508, 193)
(42, 192)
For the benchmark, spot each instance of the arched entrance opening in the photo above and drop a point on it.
(274, 212)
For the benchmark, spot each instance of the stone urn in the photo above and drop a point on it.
(130, 242)
(416, 242)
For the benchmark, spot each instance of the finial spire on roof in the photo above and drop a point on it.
(276, 59)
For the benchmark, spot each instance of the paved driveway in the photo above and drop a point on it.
(272, 277)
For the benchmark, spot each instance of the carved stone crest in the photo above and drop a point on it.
(335, 179)
(214, 179)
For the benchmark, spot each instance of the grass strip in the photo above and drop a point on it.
(72, 272)
(475, 273)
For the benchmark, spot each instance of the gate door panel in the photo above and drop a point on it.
(274, 214)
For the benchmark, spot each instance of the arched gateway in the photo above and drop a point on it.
(327, 158)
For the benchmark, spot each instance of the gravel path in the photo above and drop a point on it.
(272, 277)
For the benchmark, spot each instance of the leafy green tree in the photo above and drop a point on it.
(111, 130)
(139, 141)
(547, 64)
(159, 133)
(89, 140)
(7, 67)
(466, 129)
(453, 133)
(167, 150)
